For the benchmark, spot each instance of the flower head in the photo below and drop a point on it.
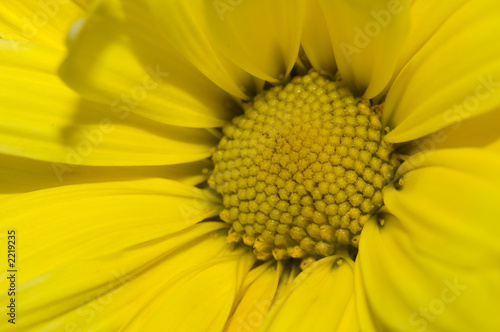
(247, 165)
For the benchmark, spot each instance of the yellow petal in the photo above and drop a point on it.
(260, 36)
(317, 298)
(199, 299)
(424, 25)
(259, 288)
(434, 264)
(20, 175)
(185, 26)
(55, 124)
(43, 22)
(87, 220)
(150, 79)
(367, 37)
(478, 132)
(316, 40)
(454, 76)
(108, 290)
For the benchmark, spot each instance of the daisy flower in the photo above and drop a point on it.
(250, 165)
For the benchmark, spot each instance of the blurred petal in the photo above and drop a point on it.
(88, 220)
(316, 300)
(55, 124)
(316, 39)
(262, 37)
(184, 25)
(367, 37)
(435, 264)
(454, 76)
(43, 22)
(106, 290)
(150, 78)
(20, 175)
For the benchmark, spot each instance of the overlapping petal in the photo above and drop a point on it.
(316, 300)
(367, 37)
(424, 25)
(40, 22)
(199, 299)
(257, 294)
(54, 124)
(109, 285)
(435, 262)
(21, 175)
(120, 58)
(316, 40)
(262, 37)
(185, 26)
(454, 76)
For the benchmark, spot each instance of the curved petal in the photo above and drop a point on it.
(150, 78)
(454, 76)
(55, 124)
(96, 219)
(424, 25)
(259, 288)
(326, 305)
(199, 299)
(184, 26)
(40, 22)
(316, 40)
(481, 132)
(106, 291)
(435, 264)
(262, 37)
(367, 37)
(21, 175)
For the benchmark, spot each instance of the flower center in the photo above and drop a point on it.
(302, 171)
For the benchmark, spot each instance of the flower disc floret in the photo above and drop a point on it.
(302, 171)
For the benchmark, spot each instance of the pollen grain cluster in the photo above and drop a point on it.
(302, 170)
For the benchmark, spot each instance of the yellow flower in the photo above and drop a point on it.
(105, 203)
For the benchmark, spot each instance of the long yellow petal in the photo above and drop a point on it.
(257, 298)
(199, 299)
(480, 132)
(454, 76)
(106, 291)
(426, 18)
(367, 37)
(260, 36)
(21, 175)
(43, 22)
(55, 124)
(184, 26)
(434, 264)
(317, 298)
(150, 78)
(95, 219)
